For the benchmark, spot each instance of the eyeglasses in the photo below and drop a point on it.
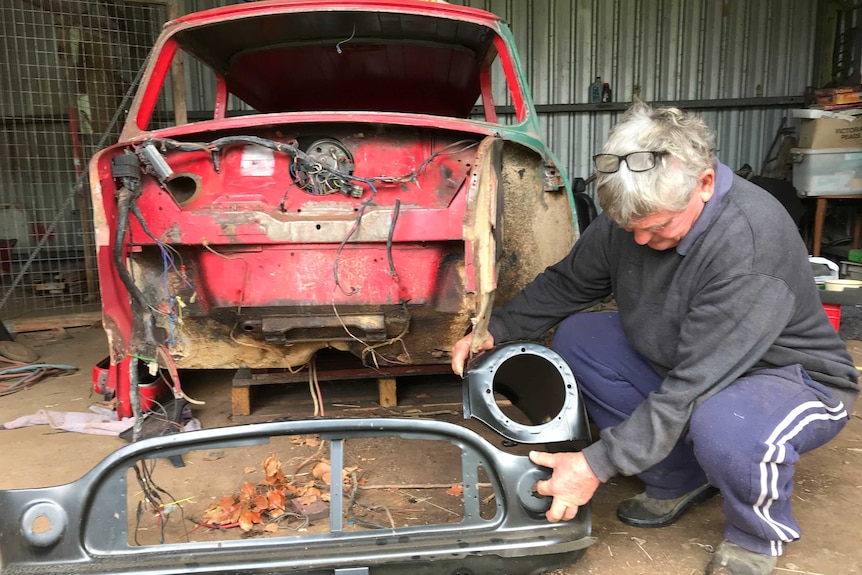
(636, 161)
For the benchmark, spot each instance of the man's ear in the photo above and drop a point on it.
(707, 184)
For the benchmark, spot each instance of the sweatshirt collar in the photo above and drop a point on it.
(723, 181)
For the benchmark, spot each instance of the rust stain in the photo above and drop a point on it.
(116, 343)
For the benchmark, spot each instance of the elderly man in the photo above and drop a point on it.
(720, 367)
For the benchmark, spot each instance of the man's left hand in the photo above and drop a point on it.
(572, 483)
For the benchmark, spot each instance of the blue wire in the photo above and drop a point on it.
(35, 366)
(166, 253)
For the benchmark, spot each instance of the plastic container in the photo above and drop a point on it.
(841, 285)
(823, 269)
(833, 312)
(607, 95)
(595, 95)
(827, 171)
(151, 389)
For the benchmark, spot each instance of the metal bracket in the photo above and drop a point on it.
(538, 381)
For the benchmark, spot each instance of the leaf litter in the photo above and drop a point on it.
(268, 501)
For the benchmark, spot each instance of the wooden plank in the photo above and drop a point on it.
(386, 389)
(240, 400)
(325, 373)
(22, 325)
(359, 398)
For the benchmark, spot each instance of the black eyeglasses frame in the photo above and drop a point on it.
(624, 158)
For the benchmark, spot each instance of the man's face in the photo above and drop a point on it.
(664, 230)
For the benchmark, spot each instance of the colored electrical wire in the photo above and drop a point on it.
(26, 374)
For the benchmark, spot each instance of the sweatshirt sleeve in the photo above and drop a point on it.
(730, 325)
(575, 283)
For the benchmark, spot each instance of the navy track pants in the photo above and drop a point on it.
(744, 440)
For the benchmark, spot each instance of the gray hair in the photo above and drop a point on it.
(689, 145)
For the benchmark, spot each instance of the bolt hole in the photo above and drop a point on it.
(41, 525)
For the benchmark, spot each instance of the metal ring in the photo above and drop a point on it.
(43, 524)
(538, 381)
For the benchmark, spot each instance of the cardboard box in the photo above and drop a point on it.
(843, 95)
(830, 133)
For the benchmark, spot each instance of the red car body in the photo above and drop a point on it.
(366, 197)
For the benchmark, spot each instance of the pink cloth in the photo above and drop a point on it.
(101, 421)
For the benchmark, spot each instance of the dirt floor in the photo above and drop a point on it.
(827, 499)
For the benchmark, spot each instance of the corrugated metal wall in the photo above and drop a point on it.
(751, 54)
(742, 63)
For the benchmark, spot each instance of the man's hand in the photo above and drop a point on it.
(572, 483)
(461, 351)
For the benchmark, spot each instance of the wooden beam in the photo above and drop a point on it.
(386, 388)
(178, 77)
(240, 400)
(22, 325)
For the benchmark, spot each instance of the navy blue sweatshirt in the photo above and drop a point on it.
(736, 295)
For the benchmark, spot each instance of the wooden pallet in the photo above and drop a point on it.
(330, 367)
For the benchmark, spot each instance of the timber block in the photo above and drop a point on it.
(330, 368)
(386, 389)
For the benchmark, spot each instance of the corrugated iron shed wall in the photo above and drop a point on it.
(741, 63)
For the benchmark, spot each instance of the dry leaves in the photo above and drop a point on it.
(266, 501)
(322, 471)
(309, 440)
(456, 490)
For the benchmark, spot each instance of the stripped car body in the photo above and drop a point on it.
(355, 203)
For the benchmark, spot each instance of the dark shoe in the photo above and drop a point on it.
(731, 559)
(643, 511)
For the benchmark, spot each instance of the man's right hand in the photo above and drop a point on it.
(461, 351)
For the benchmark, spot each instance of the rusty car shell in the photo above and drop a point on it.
(365, 197)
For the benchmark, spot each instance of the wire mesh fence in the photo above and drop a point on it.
(65, 66)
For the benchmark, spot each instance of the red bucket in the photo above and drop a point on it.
(833, 312)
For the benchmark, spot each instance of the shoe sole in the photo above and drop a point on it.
(707, 493)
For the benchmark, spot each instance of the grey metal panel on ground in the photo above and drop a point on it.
(659, 50)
